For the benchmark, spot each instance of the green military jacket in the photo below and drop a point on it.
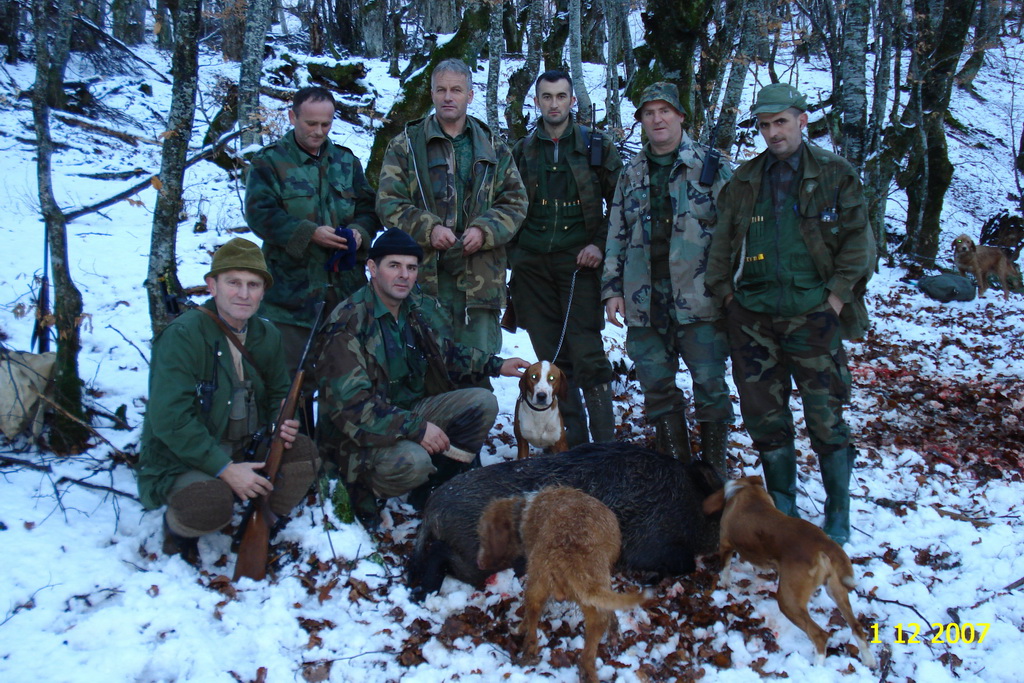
(596, 185)
(288, 194)
(415, 194)
(352, 373)
(177, 435)
(627, 265)
(843, 251)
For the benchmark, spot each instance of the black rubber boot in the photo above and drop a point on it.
(779, 466)
(599, 412)
(714, 441)
(835, 475)
(174, 544)
(671, 437)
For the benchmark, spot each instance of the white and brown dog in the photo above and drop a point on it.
(537, 419)
(981, 262)
(800, 552)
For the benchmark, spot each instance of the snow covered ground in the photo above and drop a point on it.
(86, 595)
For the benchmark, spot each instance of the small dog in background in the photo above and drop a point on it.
(982, 261)
(537, 420)
(804, 557)
(571, 541)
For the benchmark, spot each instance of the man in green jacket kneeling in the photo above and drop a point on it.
(207, 398)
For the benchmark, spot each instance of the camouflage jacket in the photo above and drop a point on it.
(177, 435)
(352, 372)
(596, 185)
(417, 192)
(288, 194)
(627, 266)
(843, 251)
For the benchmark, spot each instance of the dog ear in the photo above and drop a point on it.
(562, 386)
(525, 380)
(714, 503)
(498, 535)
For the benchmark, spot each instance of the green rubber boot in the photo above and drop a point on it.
(571, 409)
(835, 475)
(599, 412)
(779, 466)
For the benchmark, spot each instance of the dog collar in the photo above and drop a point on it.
(526, 400)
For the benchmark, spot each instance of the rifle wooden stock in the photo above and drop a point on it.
(253, 551)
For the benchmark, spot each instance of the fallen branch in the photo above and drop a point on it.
(132, 140)
(206, 152)
(59, 408)
(70, 480)
(130, 343)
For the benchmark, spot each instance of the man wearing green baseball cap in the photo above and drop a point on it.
(659, 233)
(208, 395)
(790, 261)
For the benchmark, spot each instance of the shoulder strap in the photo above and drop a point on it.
(232, 337)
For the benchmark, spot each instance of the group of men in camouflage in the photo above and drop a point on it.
(770, 265)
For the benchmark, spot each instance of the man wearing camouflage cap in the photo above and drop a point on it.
(790, 261)
(659, 233)
(206, 400)
(392, 418)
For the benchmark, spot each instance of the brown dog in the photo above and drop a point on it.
(537, 420)
(571, 541)
(983, 261)
(803, 555)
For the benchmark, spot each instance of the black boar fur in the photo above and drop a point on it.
(656, 499)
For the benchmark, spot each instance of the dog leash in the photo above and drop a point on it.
(568, 309)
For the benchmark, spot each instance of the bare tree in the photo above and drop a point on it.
(162, 275)
(988, 23)
(495, 42)
(129, 21)
(852, 99)
(576, 60)
(256, 25)
(520, 84)
(68, 433)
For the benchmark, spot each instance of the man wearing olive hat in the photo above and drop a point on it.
(206, 400)
(790, 261)
(391, 420)
(659, 233)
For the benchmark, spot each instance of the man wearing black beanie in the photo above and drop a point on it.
(391, 418)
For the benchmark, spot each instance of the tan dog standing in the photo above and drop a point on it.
(537, 420)
(982, 261)
(804, 557)
(571, 542)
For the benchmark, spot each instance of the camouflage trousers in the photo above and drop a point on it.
(476, 327)
(540, 291)
(703, 348)
(397, 469)
(769, 354)
(199, 504)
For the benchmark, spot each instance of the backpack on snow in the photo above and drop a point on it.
(947, 287)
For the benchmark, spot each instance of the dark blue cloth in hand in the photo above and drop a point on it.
(343, 259)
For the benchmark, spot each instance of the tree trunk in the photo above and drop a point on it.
(439, 16)
(593, 37)
(256, 26)
(10, 22)
(878, 175)
(67, 434)
(168, 210)
(673, 30)
(414, 100)
(746, 53)
(376, 29)
(712, 70)
(612, 101)
(93, 11)
(163, 25)
(58, 49)
(232, 28)
(930, 173)
(986, 35)
(852, 100)
(495, 42)
(129, 21)
(554, 43)
(520, 84)
(576, 61)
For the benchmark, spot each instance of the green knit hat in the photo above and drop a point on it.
(778, 97)
(659, 91)
(240, 254)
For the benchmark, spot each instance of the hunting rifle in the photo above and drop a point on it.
(259, 519)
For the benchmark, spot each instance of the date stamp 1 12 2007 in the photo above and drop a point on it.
(910, 633)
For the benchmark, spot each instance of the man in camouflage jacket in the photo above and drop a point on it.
(659, 234)
(298, 192)
(791, 260)
(558, 252)
(394, 421)
(452, 185)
